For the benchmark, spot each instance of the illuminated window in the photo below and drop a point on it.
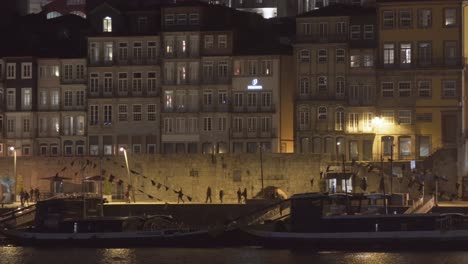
(405, 53)
(389, 53)
(355, 61)
(450, 17)
(107, 24)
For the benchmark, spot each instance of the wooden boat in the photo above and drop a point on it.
(59, 223)
(318, 221)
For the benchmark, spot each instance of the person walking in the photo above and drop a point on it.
(26, 198)
(221, 196)
(180, 196)
(21, 194)
(31, 194)
(239, 195)
(127, 194)
(37, 194)
(244, 193)
(208, 195)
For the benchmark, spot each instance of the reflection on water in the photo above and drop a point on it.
(20, 255)
(117, 256)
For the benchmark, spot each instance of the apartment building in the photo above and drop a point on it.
(20, 103)
(420, 77)
(335, 48)
(123, 81)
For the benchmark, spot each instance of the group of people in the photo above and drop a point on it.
(241, 195)
(32, 196)
(208, 195)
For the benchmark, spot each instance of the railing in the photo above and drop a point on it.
(423, 64)
(270, 212)
(18, 217)
(322, 38)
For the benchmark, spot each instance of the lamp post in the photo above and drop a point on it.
(122, 149)
(382, 175)
(14, 168)
(391, 169)
(338, 144)
(261, 163)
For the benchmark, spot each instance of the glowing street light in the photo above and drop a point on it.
(14, 167)
(122, 149)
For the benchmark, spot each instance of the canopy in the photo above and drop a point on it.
(56, 178)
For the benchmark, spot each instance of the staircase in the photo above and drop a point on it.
(18, 217)
(422, 206)
(276, 211)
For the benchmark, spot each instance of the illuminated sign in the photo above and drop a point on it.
(254, 85)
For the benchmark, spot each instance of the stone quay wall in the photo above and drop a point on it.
(157, 177)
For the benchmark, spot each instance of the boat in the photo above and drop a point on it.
(60, 222)
(337, 222)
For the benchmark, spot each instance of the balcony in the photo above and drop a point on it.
(73, 81)
(450, 63)
(316, 38)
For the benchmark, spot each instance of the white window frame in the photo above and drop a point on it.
(404, 89)
(404, 117)
(26, 70)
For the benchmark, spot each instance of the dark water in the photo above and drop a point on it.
(11, 255)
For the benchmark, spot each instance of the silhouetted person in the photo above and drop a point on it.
(22, 197)
(127, 194)
(244, 193)
(31, 194)
(180, 196)
(221, 196)
(239, 195)
(26, 198)
(208, 195)
(37, 194)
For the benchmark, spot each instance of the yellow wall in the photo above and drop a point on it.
(287, 97)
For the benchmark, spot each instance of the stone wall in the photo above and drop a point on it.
(293, 173)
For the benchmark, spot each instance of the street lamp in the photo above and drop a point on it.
(122, 149)
(14, 167)
(260, 145)
(343, 165)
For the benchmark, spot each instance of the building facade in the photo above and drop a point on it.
(420, 77)
(123, 82)
(335, 106)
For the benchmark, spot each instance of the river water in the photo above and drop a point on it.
(247, 255)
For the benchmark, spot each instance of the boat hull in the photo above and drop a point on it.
(402, 240)
(112, 239)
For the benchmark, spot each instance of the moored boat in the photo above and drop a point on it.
(318, 222)
(60, 222)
